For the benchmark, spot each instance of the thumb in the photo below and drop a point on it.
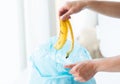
(66, 15)
(69, 66)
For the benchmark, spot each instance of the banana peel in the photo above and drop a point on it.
(65, 27)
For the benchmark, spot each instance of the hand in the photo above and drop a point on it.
(70, 8)
(83, 71)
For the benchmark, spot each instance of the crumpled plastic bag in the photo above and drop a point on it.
(48, 64)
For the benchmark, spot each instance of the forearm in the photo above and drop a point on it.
(111, 64)
(105, 7)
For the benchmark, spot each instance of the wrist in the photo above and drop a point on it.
(89, 2)
(99, 64)
(82, 4)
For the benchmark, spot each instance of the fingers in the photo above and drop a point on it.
(83, 71)
(79, 79)
(66, 15)
(75, 71)
(62, 11)
(77, 68)
(69, 66)
(70, 8)
(65, 11)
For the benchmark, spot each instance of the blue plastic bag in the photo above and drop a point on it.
(48, 64)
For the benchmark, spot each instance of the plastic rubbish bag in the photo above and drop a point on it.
(48, 64)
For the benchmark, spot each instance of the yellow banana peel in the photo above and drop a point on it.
(62, 35)
(64, 27)
(72, 38)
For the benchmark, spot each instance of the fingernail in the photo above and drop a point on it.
(61, 18)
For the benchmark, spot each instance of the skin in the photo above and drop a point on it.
(83, 71)
(104, 7)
